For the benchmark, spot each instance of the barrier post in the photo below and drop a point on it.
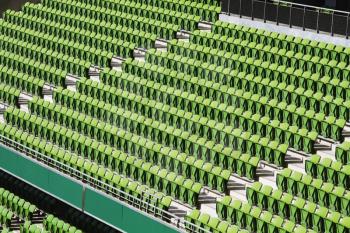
(290, 16)
(347, 27)
(228, 7)
(304, 18)
(277, 13)
(265, 11)
(332, 33)
(240, 8)
(318, 19)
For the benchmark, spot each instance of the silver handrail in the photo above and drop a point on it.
(146, 206)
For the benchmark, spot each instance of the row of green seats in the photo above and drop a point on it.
(6, 230)
(297, 209)
(242, 164)
(49, 30)
(33, 68)
(283, 41)
(59, 227)
(329, 127)
(167, 182)
(202, 41)
(52, 36)
(28, 227)
(21, 81)
(214, 177)
(140, 38)
(47, 56)
(63, 48)
(78, 163)
(6, 216)
(299, 139)
(211, 224)
(315, 190)
(319, 103)
(263, 147)
(9, 94)
(328, 170)
(161, 29)
(133, 123)
(292, 95)
(207, 11)
(342, 152)
(17, 205)
(185, 21)
(253, 218)
(207, 2)
(54, 224)
(282, 73)
(136, 169)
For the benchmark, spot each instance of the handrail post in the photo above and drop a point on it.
(228, 7)
(240, 8)
(318, 18)
(304, 18)
(290, 15)
(265, 11)
(277, 13)
(332, 25)
(252, 10)
(347, 27)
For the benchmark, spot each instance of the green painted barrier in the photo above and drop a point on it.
(118, 214)
(42, 177)
(92, 202)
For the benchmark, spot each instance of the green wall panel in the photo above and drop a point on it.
(42, 177)
(66, 189)
(96, 204)
(127, 219)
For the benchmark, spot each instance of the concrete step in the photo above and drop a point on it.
(205, 26)
(208, 196)
(117, 62)
(48, 89)
(16, 223)
(319, 146)
(71, 79)
(38, 217)
(263, 172)
(292, 159)
(94, 70)
(183, 35)
(177, 212)
(346, 134)
(234, 185)
(2, 110)
(161, 44)
(24, 98)
(346, 130)
(206, 199)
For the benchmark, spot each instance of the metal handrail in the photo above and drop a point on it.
(290, 5)
(310, 6)
(147, 207)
